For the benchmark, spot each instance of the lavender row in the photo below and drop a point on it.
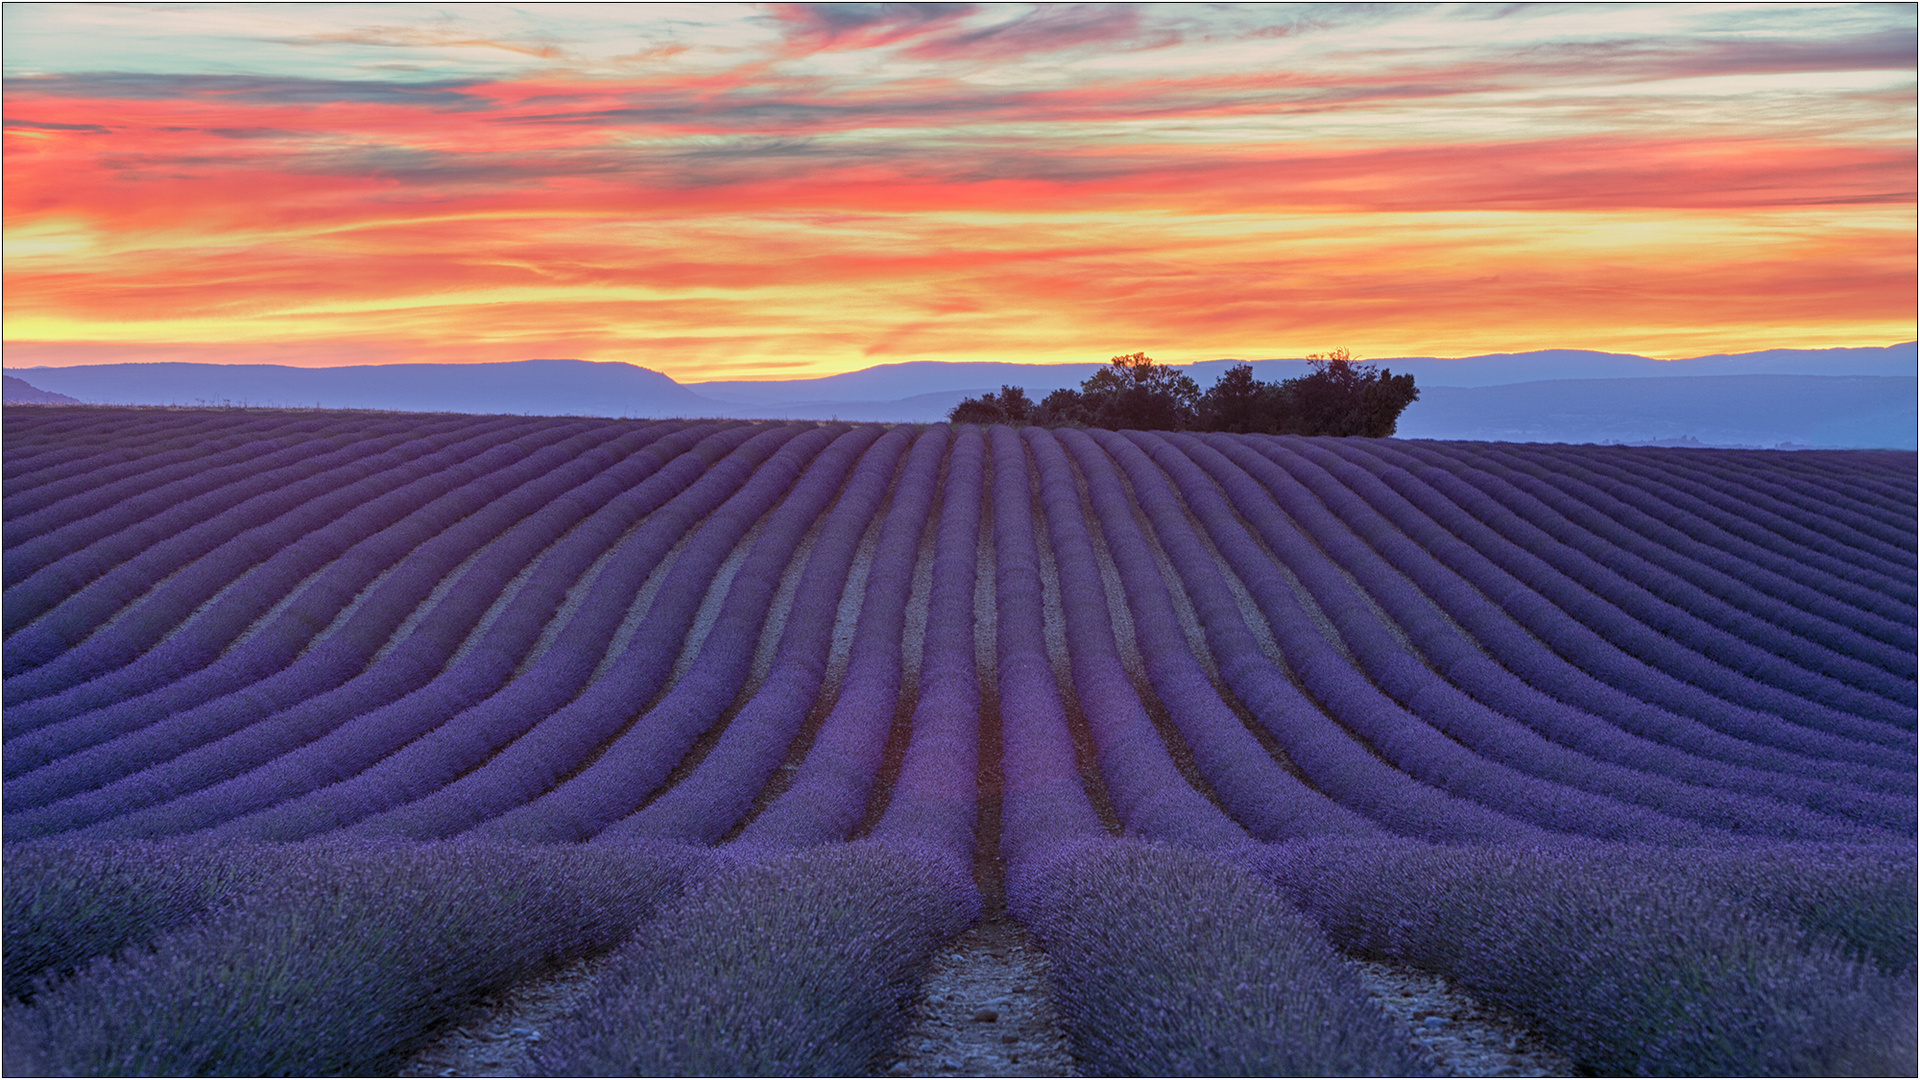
(1792, 579)
(192, 565)
(1717, 523)
(1824, 530)
(67, 903)
(355, 545)
(1498, 737)
(1681, 577)
(707, 803)
(372, 762)
(1767, 573)
(1327, 757)
(1405, 675)
(343, 963)
(934, 800)
(129, 736)
(46, 465)
(1418, 613)
(1633, 962)
(435, 671)
(1654, 630)
(1170, 962)
(1261, 796)
(1770, 479)
(1593, 552)
(270, 647)
(97, 429)
(1811, 529)
(1410, 541)
(87, 488)
(1044, 804)
(833, 783)
(1871, 525)
(614, 782)
(173, 463)
(803, 965)
(1446, 738)
(39, 439)
(80, 556)
(1150, 796)
(504, 755)
(1437, 524)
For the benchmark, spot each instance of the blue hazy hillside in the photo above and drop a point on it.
(1858, 397)
(554, 387)
(1714, 410)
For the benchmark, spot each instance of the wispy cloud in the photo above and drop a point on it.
(814, 187)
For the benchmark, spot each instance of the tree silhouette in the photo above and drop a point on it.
(1241, 404)
(1344, 398)
(1010, 406)
(1340, 397)
(1132, 391)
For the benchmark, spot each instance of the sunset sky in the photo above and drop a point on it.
(719, 191)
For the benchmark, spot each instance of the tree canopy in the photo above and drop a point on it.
(1339, 397)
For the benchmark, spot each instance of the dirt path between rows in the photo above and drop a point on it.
(984, 1011)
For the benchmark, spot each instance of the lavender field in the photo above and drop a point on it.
(322, 728)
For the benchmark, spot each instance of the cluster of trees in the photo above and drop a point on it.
(1340, 397)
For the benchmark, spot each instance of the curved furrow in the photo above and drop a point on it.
(334, 664)
(320, 572)
(1443, 532)
(1684, 573)
(480, 780)
(190, 564)
(478, 635)
(1328, 757)
(1045, 808)
(1450, 572)
(39, 453)
(1778, 576)
(706, 804)
(62, 496)
(1823, 522)
(190, 777)
(238, 579)
(934, 799)
(1699, 513)
(43, 573)
(834, 781)
(1868, 524)
(539, 684)
(1811, 531)
(1151, 797)
(1892, 642)
(1653, 629)
(1442, 738)
(617, 780)
(1451, 624)
(1305, 494)
(1854, 466)
(1262, 797)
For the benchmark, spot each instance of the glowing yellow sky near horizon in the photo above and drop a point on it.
(825, 191)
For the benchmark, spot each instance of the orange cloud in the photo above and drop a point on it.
(764, 217)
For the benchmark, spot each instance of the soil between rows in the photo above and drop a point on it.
(984, 1011)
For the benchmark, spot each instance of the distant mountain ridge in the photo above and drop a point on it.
(1846, 397)
(21, 392)
(549, 387)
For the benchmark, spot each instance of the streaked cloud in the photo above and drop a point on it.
(721, 191)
